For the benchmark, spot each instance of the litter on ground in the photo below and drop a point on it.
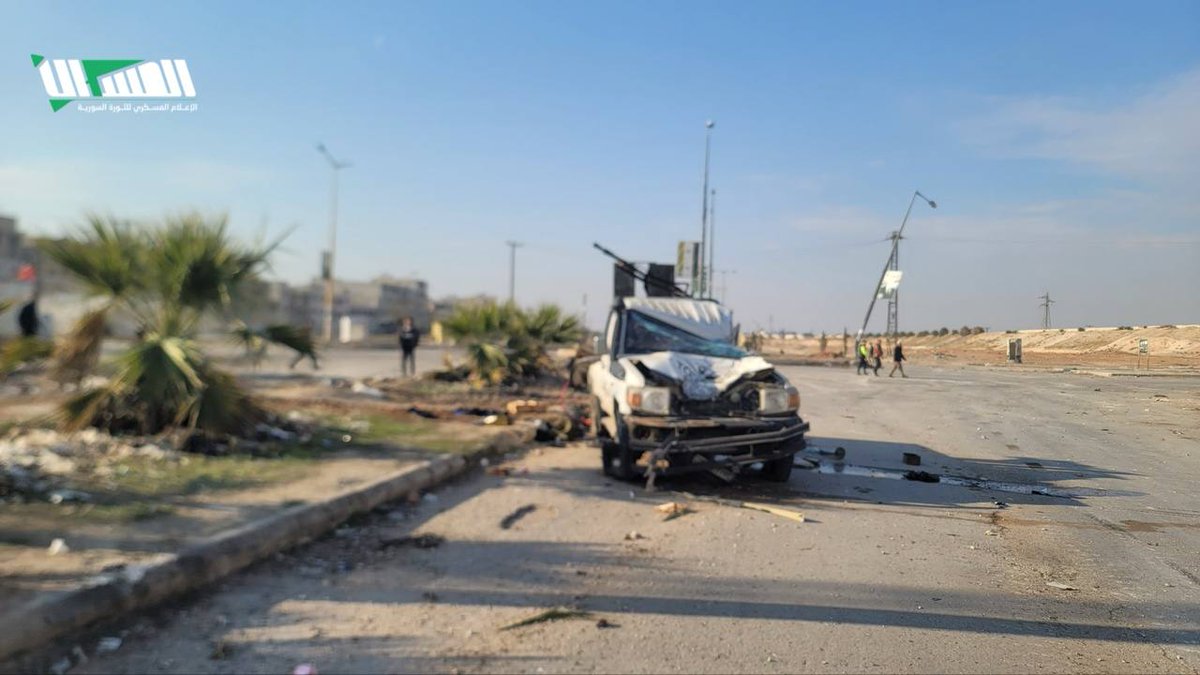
(553, 614)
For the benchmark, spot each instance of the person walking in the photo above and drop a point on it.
(410, 337)
(863, 366)
(877, 356)
(898, 360)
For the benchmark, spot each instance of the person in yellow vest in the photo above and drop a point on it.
(863, 355)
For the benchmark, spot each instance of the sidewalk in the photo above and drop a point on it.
(120, 555)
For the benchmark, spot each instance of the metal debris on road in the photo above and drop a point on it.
(753, 506)
(509, 520)
(424, 541)
(605, 623)
(922, 476)
(553, 614)
(108, 644)
(672, 510)
(634, 536)
(1061, 586)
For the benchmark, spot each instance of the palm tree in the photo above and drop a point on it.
(166, 278)
(505, 342)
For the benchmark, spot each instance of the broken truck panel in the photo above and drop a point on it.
(673, 383)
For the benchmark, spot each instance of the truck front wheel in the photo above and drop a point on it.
(619, 459)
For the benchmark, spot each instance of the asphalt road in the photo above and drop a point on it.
(885, 575)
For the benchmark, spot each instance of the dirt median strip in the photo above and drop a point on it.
(141, 586)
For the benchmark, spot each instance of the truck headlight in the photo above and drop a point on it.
(652, 400)
(777, 400)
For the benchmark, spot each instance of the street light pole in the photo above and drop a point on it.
(327, 263)
(512, 269)
(702, 284)
(892, 259)
(712, 240)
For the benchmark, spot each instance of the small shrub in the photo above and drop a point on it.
(964, 331)
(943, 331)
(1081, 329)
(1010, 332)
(1124, 327)
(978, 330)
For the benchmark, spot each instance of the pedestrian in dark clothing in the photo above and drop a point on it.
(27, 320)
(898, 360)
(410, 337)
(877, 356)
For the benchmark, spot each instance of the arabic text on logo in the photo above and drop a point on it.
(69, 80)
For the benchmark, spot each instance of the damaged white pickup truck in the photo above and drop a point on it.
(673, 393)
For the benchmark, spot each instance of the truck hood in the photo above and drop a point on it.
(702, 378)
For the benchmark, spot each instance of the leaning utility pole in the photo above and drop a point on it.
(893, 317)
(512, 269)
(1046, 302)
(892, 260)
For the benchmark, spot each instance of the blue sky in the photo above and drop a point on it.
(1061, 141)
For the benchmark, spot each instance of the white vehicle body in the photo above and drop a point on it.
(671, 374)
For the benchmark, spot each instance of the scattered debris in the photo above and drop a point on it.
(58, 547)
(107, 645)
(1033, 465)
(366, 390)
(672, 510)
(774, 510)
(605, 623)
(912, 459)
(490, 419)
(424, 414)
(554, 614)
(429, 596)
(422, 541)
(1000, 504)
(1061, 586)
(922, 476)
(511, 519)
(754, 506)
(634, 536)
(476, 412)
(991, 533)
(514, 408)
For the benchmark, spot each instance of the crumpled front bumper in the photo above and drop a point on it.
(710, 435)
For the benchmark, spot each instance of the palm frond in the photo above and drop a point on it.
(221, 405)
(107, 256)
(298, 339)
(85, 408)
(78, 353)
(19, 351)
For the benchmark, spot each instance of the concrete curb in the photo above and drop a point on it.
(133, 588)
